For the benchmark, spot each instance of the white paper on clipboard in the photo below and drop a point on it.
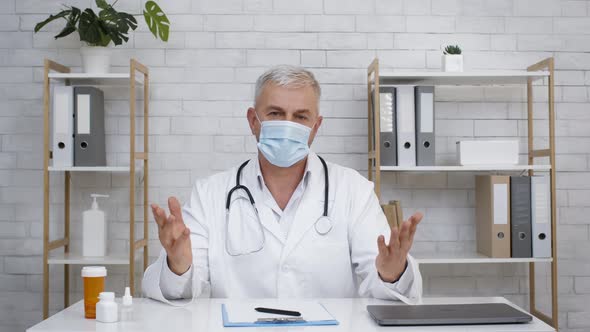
(244, 310)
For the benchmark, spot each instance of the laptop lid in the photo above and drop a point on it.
(447, 314)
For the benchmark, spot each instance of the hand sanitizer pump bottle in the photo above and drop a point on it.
(94, 230)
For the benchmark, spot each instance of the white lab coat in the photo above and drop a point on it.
(305, 264)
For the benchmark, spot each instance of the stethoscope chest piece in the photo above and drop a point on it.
(323, 225)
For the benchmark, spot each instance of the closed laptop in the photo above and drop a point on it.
(447, 314)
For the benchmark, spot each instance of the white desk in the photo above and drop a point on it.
(205, 315)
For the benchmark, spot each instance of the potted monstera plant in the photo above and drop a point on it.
(97, 31)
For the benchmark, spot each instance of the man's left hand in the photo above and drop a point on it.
(392, 258)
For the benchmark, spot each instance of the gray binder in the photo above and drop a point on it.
(372, 124)
(520, 216)
(387, 132)
(89, 135)
(541, 215)
(424, 125)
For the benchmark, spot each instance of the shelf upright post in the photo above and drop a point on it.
(48, 66)
(132, 177)
(548, 64)
(67, 191)
(146, 102)
(373, 118)
(134, 65)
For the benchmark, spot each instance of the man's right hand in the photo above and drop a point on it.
(174, 236)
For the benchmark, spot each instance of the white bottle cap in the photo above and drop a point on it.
(106, 296)
(127, 299)
(94, 271)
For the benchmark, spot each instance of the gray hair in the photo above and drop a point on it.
(286, 75)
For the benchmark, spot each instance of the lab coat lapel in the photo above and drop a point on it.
(310, 208)
(250, 179)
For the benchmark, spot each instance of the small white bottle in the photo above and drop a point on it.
(106, 308)
(94, 230)
(126, 310)
(127, 299)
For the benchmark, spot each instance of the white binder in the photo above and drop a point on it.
(406, 128)
(63, 126)
(541, 215)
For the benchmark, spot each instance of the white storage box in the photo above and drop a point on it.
(503, 152)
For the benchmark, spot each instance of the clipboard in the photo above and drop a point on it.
(318, 313)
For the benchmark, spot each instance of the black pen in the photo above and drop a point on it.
(278, 311)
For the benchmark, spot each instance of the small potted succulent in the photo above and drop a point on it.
(109, 25)
(452, 59)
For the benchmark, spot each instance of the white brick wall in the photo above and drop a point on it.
(202, 83)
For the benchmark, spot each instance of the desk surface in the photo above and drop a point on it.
(205, 315)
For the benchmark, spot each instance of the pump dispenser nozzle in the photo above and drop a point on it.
(94, 202)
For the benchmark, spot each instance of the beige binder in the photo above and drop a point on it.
(492, 214)
(393, 213)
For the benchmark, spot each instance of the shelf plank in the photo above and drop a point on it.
(95, 78)
(496, 77)
(78, 259)
(469, 168)
(112, 169)
(472, 258)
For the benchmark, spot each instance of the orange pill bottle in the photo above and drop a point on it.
(93, 277)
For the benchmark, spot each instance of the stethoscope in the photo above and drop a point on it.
(322, 226)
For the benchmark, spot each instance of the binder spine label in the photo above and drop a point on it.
(500, 199)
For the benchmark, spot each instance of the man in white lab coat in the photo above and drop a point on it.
(284, 248)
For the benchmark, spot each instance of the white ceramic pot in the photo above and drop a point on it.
(452, 62)
(96, 59)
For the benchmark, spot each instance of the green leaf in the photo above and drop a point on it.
(122, 21)
(115, 34)
(156, 20)
(102, 4)
(128, 20)
(66, 31)
(91, 29)
(117, 24)
(452, 49)
(61, 14)
(71, 24)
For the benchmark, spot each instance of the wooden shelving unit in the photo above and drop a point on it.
(137, 76)
(541, 70)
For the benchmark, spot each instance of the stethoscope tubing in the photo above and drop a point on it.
(251, 198)
(326, 228)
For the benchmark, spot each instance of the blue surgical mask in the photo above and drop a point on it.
(283, 143)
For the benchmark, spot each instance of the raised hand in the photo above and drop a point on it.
(174, 236)
(391, 260)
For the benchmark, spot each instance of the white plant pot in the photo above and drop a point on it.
(96, 59)
(452, 62)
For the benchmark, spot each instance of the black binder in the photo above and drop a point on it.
(520, 216)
